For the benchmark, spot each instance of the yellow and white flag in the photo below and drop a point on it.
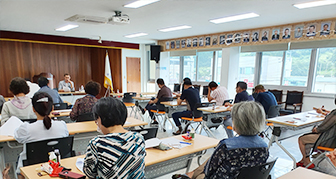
(108, 76)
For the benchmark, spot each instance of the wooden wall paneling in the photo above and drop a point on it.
(98, 67)
(25, 59)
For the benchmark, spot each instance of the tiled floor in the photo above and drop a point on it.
(283, 165)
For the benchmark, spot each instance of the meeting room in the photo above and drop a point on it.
(168, 89)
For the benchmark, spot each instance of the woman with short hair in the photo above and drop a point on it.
(117, 153)
(44, 128)
(21, 105)
(85, 104)
(246, 150)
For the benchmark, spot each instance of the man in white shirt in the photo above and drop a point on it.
(33, 88)
(220, 94)
(66, 84)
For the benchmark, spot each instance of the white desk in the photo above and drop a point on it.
(304, 173)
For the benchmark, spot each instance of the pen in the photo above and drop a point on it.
(296, 118)
(185, 143)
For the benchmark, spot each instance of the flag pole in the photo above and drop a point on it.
(107, 91)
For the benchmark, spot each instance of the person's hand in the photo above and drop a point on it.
(227, 104)
(5, 173)
(332, 156)
(151, 102)
(314, 130)
(319, 110)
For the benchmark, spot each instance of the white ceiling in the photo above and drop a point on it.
(43, 16)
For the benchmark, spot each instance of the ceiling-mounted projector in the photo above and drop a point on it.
(119, 18)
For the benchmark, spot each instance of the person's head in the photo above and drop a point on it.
(325, 27)
(212, 85)
(286, 31)
(160, 82)
(92, 88)
(255, 35)
(66, 77)
(248, 118)
(42, 106)
(187, 84)
(312, 28)
(186, 79)
(43, 81)
(18, 86)
(298, 29)
(109, 112)
(241, 86)
(276, 32)
(265, 33)
(259, 89)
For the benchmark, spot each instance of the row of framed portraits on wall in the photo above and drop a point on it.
(284, 33)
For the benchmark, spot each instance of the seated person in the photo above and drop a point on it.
(322, 133)
(85, 104)
(117, 153)
(21, 105)
(33, 88)
(332, 156)
(66, 84)
(265, 98)
(246, 150)
(191, 95)
(220, 94)
(43, 82)
(44, 128)
(184, 79)
(242, 94)
(163, 93)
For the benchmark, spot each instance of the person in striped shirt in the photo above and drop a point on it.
(117, 153)
(218, 93)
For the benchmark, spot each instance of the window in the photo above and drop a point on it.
(204, 66)
(189, 67)
(296, 67)
(325, 71)
(152, 65)
(246, 68)
(174, 70)
(218, 66)
(271, 67)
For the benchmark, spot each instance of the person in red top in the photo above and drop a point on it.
(85, 104)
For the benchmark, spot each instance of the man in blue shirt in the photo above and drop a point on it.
(191, 95)
(43, 83)
(242, 94)
(265, 98)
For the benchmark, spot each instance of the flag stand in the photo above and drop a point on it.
(107, 91)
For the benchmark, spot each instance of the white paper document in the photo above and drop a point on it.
(127, 122)
(175, 143)
(9, 127)
(152, 142)
(80, 164)
(63, 110)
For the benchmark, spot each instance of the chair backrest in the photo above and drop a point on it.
(198, 87)
(147, 133)
(257, 172)
(162, 107)
(228, 100)
(277, 94)
(197, 113)
(128, 97)
(37, 152)
(177, 87)
(273, 111)
(85, 117)
(205, 90)
(28, 120)
(59, 106)
(294, 97)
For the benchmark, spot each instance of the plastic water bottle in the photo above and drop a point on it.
(117, 90)
(52, 156)
(81, 88)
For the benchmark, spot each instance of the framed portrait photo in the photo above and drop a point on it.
(229, 39)
(222, 39)
(286, 33)
(275, 33)
(207, 41)
(201, 42)
(177, 43)
(265, 35)
(255, 36)
(167, 45)
(172, 44)
(311, 30)
(195, 40)
(183, 43)
(298, 31)
(246, 37)
(237, 38)
(214, 40)
(325, 28)
(188, 42)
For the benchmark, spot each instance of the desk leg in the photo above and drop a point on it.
(188, 165)
(271, 141)
(286, 151)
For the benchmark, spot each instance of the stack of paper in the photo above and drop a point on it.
(9, 127)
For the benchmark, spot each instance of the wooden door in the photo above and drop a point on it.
(133, 74)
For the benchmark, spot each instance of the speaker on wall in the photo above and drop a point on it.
(155, 52)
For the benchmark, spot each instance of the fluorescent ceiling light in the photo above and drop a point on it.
(136, 35)
(175, 28)
(314, 4)
(140, 3)
(67, 27)
(234, 18)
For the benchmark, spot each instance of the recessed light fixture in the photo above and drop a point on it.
(314, 4)
(67, 27)
(175, 28)
(234, 18)
(140, 3)
(135, 35)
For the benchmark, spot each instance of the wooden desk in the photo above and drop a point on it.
(301, 172)
(173, 103)
(8, 98)
(72, 93)
(62, 113)
(154, 161)
(142, 98)
(218, 109)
